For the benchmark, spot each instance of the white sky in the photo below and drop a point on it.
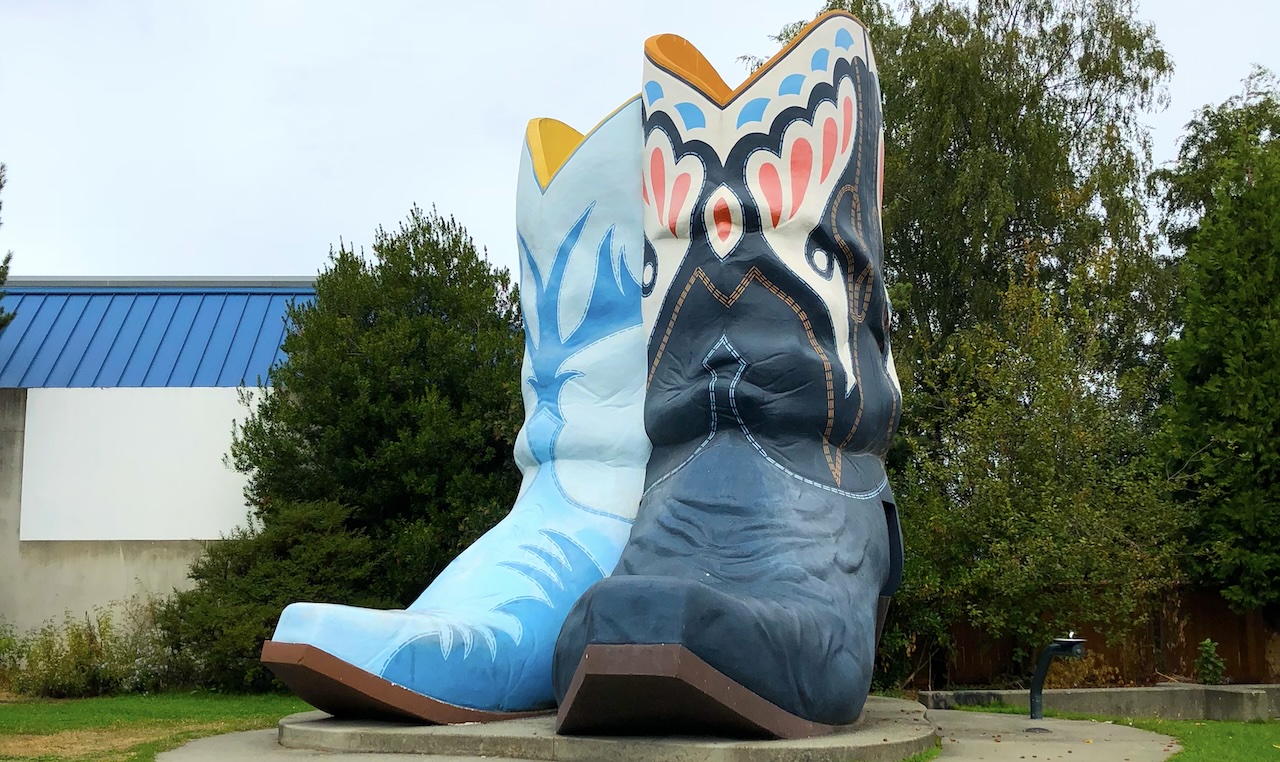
(243, 138)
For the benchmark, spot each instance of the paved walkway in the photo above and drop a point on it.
(994, 737)
(966, 736)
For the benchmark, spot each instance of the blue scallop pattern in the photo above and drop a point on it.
(692, 115)
(791, 85)
(753, 111)
(653, 91)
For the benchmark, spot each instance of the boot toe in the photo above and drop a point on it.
(801, 659)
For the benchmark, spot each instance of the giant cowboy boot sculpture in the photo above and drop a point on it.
(477, 645)
(746, 599)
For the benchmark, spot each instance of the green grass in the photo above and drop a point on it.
(1201, 740)
(129, 728)
(925, 756)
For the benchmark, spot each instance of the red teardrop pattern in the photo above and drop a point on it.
(771, 186)
(829, 137)
(679, 190)
(801, 170)
(723, 219)
(658, 178)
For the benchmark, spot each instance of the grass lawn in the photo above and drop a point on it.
(128, 728)
(925, 756)
(1202, 740)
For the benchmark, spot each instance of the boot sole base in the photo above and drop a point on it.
(334, 686)
(667, 690)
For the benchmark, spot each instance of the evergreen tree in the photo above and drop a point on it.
(1224, 198)
(376, 451)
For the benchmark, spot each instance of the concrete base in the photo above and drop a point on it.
(888, 731)
(1170, 701)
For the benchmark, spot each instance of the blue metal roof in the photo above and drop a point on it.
(107, 335)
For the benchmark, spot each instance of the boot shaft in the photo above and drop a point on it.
(764, 296)
(580, 241)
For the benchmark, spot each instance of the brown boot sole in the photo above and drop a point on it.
(667, 690)
(330, 684)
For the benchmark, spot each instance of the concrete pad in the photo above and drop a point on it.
(889, 730)
(895, 730)
(995, 737)
(263, 746)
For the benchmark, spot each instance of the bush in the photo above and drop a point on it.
(399, 398)
(1209, 665)
(242, 583)
(10, 652)
(114, 649)
(1090, 672)
(377, 450)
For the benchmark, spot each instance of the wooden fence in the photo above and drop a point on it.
(1166, 647)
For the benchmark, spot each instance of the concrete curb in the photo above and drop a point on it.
(1173, 701)
(889, 730)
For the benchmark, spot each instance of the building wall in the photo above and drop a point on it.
(126, 490)
(130, 464)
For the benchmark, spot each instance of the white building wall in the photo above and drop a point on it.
(130, 464)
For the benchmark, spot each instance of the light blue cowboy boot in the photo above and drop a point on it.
(477, 645)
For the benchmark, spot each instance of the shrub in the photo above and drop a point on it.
(399, 398)
(10, 650)
(1209, 665)
(242, 584)
(113, 649)
(67, 661)
(375, 452)
(1090, 672)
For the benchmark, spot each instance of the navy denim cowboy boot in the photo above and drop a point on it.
(746, 600)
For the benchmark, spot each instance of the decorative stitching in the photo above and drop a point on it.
(754, 275)
(711, 390)
(733, 403)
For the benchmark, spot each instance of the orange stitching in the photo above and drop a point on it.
(859, 314)
(754, 274)
(865, 280)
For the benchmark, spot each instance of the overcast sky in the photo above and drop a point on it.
(243, 138)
